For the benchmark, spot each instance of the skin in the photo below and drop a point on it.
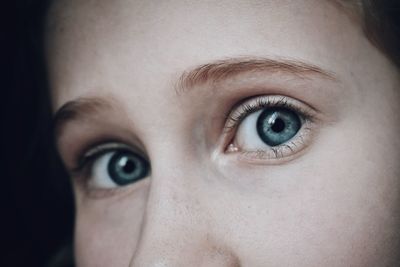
(335, 202)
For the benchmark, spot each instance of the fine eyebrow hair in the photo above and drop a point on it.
(227, 68)
(211, 72)
(78, 109)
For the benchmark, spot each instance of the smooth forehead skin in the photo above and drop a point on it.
(337, 204)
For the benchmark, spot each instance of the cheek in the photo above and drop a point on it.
(337, 203)
(107, 231)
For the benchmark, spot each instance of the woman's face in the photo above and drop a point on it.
(226, 133)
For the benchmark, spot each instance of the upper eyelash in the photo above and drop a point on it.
(85, 161)
(233, 119)
(244, 109)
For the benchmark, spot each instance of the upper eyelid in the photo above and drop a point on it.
(255, 103)
(101, 148)
(98, 150)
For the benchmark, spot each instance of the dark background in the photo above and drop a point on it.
(36, 199)
(36, 211)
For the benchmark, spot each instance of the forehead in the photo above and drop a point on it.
(127, 43)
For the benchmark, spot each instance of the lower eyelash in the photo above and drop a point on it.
(307, 114)
(276, 152)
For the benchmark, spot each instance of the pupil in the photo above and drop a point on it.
(129, 166)
(278, 126)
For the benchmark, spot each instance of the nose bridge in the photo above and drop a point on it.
(176, 230)
(170, 226)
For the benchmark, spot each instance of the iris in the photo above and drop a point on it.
(125, 167)
(276, 126)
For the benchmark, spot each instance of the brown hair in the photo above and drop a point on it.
(381, 22)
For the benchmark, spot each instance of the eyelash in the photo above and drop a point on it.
(86, 159)
(249, 106)
(233, 120)
(254, 104)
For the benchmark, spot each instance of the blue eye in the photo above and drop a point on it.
(125, 167)
(269, 128)
(276, 126)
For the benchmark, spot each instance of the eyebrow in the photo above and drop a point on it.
(228, 68)
(211, 72)
(78, 109)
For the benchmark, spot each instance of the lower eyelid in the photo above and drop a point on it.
(273, 156)
(278, 152)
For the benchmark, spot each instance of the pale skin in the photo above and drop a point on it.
(218, 197)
